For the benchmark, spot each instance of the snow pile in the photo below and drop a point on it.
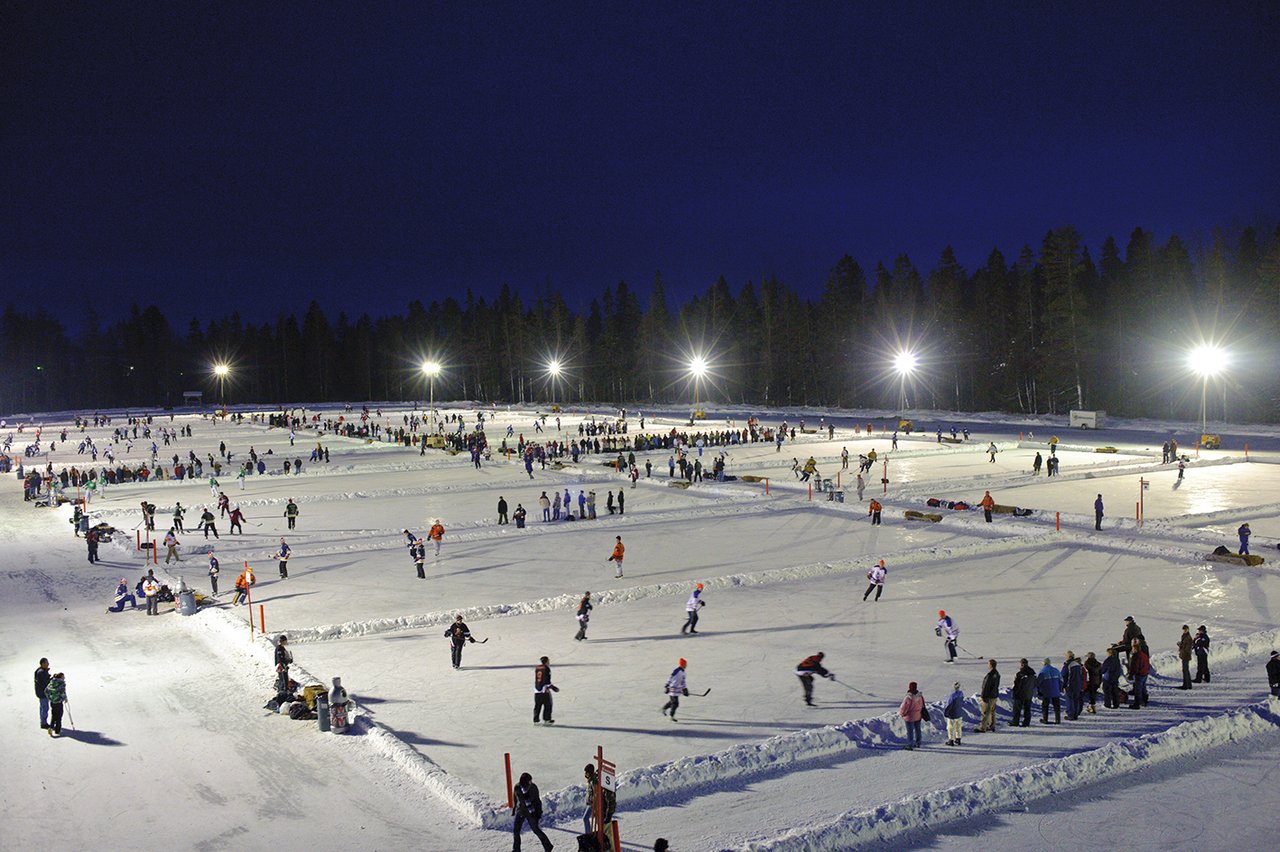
(1012, 790)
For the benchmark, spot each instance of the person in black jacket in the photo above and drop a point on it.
(1024, 691)
(990, 692)
(1273, 673)
(502, 510)
(458, 635)
(42, 680)
(284, 658)
(1200, 644)
(1111, 679)
(528, 809)
(542, 689)
(809, 667)
(584, 616)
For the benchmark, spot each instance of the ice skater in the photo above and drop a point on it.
(947, 629)
(282, 557)
(584, 616)
(436, 534)
(876, 575)
(691, 608)
(458, 635)
(809, 667)
(676, 687)
(616, 557)
(542, 689)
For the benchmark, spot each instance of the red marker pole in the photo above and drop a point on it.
(511, 799)
(262, 620)
(766, 485)
(1057, 521)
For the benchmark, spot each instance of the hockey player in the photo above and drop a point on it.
(291, 513)
(876, 575)
(584, 616)
(675, 687)
(874, 509)
(691, 608)
(282, 557)
(809, 667)
(949, 631)
(458, 635)
(171, 545)
(436, 534)
(616, 557)
(418, 552)
(542, 689)
(992, 449)
(207, 523)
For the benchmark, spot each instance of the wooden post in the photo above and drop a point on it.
(1057, 521)
(138, 533)
(262, 620)
(511, 799)
(810, 490)
(1197, 448)
(838, 479)
(766, 485)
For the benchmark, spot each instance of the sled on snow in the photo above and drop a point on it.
(913, 515)
(1236, 558)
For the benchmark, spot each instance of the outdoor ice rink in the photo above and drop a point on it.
(746, 766)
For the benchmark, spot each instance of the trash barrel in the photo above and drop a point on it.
(187, 602)
(322, 711)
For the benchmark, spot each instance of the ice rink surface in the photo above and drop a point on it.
(172, 706)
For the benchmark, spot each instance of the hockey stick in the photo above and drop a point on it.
(704, 694)
(67, 702)
(854, 688)
(482, 641)
(970, 653)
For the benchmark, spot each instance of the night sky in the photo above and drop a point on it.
(212, 157)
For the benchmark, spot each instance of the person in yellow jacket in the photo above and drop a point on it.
(436, 533)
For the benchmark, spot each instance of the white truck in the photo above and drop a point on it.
(1088, 419)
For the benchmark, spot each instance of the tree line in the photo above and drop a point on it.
(1044, 331)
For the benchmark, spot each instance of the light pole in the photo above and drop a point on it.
(698, 369)
(221, 371)
(904, 363)
(432, 369)
(1207, 360)
(553, 371)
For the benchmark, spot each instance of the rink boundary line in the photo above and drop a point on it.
(1011, 790)
(919, 557)
(680, 780)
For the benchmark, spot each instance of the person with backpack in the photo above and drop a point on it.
(912, 711)
(1024, 691)
(876, 575)
(56, 694)
(1200, 644)
(954, 714)
(151, 590)
(528, 808)
(1049, 687)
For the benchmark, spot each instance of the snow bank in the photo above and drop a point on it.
(1012, 790)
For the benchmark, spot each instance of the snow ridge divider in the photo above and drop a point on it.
(1012, 789)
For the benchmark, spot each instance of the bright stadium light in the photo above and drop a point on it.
(222, 371)
(698, 368)
(1207, 361)
(432, 369)
(905, 363)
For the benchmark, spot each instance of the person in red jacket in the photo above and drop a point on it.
(912, 712)
(874, 509)
(987, 503)
(1139, 669)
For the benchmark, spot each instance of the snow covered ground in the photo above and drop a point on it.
(175, 750)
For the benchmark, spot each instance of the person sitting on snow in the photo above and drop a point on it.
(123, 595)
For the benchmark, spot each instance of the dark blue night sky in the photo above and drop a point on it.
(214, 157)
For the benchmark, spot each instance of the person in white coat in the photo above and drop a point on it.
(949, 632)
(675, 688)
(691, 608)
(876, 575)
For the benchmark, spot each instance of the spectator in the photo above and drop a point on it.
(954, 714)
(1111, 679)
(1024, 690)
(912, 711)
(1139, 669)
(1186, 644)
(528, 809)
(990, 692)
(1093, 678)
(1200, 644)
(1049, 686)
(1073, 682)
(1273, 673)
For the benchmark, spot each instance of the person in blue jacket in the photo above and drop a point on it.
(1049, 686)
(1244, 532)
(122, 597)
(954, 714)
(1111, 679)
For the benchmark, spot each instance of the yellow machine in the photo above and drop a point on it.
(1211, 442)
(906, 426)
